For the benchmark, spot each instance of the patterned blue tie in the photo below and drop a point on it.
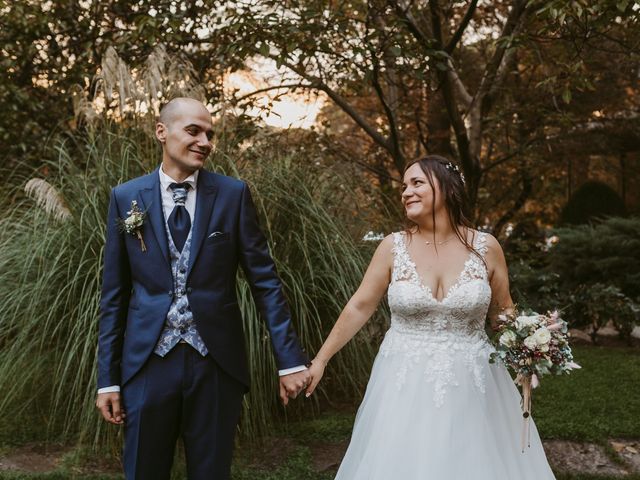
(179, 220)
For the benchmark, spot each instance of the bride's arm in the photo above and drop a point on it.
(501, 301)
(358, 310)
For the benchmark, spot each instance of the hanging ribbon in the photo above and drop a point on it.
(525, 382)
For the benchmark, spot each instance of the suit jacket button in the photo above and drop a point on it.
(189, 290)
(170, 294)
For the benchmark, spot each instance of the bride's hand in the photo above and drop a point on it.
(316, 370)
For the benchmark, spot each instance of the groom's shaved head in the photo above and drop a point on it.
(176, 107)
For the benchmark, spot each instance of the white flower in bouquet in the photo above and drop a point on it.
(530, 342)
(542, 336)
(526, 321)
(508, 339)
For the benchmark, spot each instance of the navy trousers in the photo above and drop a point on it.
(182, 394)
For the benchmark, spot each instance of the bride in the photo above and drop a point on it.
(435, 408)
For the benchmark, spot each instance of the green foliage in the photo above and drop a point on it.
(592, 202)
(608, 252)
(49, 52)
(592, 273)
(50, 275)
(597, 304)
(533, 286)
(536, 289)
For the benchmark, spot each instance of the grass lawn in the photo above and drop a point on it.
(598, 402)
(593, 404)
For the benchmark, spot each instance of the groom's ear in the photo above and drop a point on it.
(161, 132)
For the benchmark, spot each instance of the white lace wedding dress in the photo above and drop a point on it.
(435, 408)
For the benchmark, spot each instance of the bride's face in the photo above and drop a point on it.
(418, 196)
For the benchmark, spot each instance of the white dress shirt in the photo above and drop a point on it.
(190, 204)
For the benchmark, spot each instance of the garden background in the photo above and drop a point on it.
(319, 105)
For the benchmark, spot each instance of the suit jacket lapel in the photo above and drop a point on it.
(205, 199)
(152, 204)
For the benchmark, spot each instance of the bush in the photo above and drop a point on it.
(592, 273)
(605, 253)
(597, 304)
(593, 201)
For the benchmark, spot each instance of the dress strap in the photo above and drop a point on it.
(480, 243)
(401, 261)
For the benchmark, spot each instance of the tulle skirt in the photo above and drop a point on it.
(467, 427)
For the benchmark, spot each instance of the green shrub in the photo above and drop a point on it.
(592, 273)
(593, 201)
(597, 304)
(605, 253)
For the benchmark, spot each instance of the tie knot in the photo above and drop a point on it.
(180, 191)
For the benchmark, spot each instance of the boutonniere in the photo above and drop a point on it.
(133, 223)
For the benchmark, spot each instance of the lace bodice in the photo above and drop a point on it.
(442, 330)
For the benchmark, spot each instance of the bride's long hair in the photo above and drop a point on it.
(450, 180)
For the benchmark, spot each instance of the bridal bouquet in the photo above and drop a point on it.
(532, 346)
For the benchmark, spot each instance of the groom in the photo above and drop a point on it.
(171, 358)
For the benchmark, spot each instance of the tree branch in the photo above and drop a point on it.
(343, 104)
(511, 155)
(412, 25)
(278, 87)
(389, 109)
(488, 82)
(457, 122)
(393, 127)
(457, 36)
(525, 193)
(464, 96)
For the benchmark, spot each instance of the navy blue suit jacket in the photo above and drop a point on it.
(137, 286)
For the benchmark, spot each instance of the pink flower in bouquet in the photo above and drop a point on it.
(535, 381)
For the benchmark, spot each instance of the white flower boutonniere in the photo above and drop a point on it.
(133, 223)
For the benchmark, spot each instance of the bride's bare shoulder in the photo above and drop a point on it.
(387, 243)
(492, 242)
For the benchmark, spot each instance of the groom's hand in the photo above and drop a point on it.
(291, 385)
(110, 406)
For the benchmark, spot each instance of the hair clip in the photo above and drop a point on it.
(452, 167)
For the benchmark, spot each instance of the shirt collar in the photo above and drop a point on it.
(166, 180)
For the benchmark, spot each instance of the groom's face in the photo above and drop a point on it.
(186, 136)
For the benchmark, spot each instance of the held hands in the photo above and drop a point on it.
(316, 371)
(110, 406)
(291, 385)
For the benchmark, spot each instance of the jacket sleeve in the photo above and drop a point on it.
(114, 303)
(266, 287)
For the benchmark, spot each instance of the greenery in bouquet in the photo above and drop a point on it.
(533, 345)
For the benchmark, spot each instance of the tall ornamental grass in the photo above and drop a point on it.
(51, 246)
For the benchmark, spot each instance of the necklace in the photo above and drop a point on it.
(440, 243)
